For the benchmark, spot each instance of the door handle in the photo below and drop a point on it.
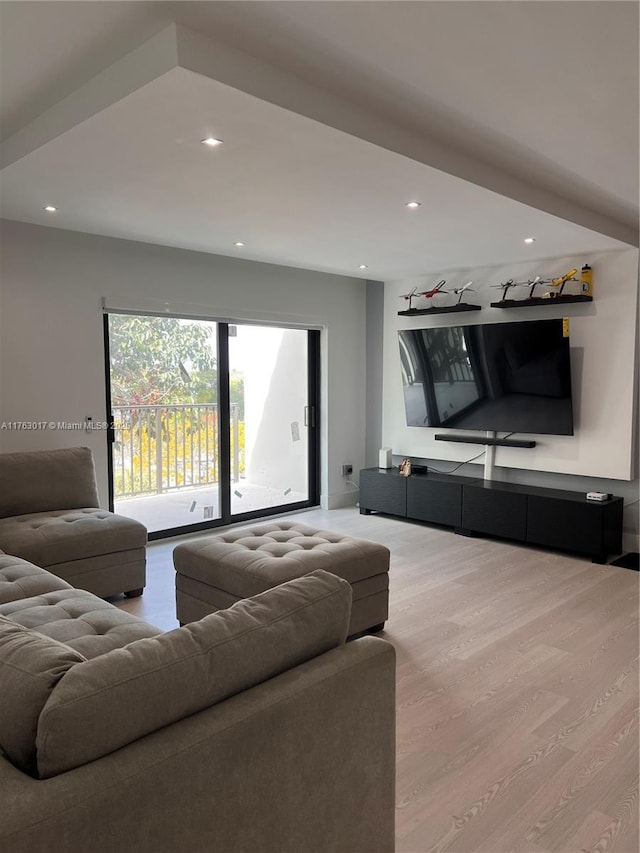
(111, 431)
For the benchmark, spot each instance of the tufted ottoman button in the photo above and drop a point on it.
(214, 573)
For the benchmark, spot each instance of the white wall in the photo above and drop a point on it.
(51, 344)
(602, 453)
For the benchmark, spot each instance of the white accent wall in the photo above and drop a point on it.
(51, 340)
(601, 455)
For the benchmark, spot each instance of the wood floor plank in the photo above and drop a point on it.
(472, 767)
(621, 834)
(517, 689)
(592, 827)
(593, 711)
(557, 811)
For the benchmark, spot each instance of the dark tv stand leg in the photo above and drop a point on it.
(364, 511)
(600, 559)
(463, 531)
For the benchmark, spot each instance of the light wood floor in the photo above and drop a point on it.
(517, 704)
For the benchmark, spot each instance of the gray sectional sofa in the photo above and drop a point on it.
(256, 728)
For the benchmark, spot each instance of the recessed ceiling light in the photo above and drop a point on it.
(211, 141)
(529, 239)
(362, 267)
(239, 243)
(50, 208)
(413, 204)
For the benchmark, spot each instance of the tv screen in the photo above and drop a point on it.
(503, 377)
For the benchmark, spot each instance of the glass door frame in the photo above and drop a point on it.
(312, 424)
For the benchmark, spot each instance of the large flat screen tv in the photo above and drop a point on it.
(503, 377)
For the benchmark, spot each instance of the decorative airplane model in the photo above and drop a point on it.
(560, 282)
(533, 283)
(459, 291)
(429, 294)
(413, 293)
(506, 286)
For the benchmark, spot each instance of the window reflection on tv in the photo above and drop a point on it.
(503, 377)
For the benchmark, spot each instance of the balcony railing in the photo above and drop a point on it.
(159, 449)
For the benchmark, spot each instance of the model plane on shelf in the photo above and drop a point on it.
(443, 308)
(428, 294)
(560, 282)
(460, 291)
(533, 283)
(413, 294)
(549, 297)
(507, 285)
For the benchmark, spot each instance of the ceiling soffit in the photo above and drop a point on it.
(178, 46)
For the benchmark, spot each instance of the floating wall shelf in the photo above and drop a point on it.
(540, 300)
(448, 309)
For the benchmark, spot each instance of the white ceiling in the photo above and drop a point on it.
(505, 119)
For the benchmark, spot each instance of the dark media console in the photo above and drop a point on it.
(549, 517)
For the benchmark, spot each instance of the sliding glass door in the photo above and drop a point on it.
(211, 422)
(268, 383)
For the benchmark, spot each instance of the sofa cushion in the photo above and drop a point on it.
(117, 698)
(49, 538)
(79, 619)
(20, 579)
(30, 667)
(45, 480)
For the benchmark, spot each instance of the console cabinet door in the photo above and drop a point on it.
(434, 501)
(383, 491)
(499, 513)
(572, 526)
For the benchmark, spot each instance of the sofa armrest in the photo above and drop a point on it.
(304, 761)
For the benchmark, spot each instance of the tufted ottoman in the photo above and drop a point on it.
(215, 572)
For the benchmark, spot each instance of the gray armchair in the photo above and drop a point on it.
(49, 515)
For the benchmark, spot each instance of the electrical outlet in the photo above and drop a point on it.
(347, 470)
